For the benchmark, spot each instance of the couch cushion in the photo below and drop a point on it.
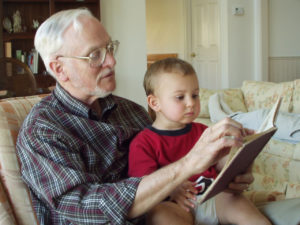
(12, 113)
(233, 97)
(281, 149)
(263, 95)
(292, 191)
(267, 183)
(263, 196)
(296, 96)
(277, 169)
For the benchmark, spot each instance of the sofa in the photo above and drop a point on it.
(275, 169)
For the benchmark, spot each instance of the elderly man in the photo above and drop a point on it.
(73, 146)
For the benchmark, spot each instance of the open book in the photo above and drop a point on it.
(241, 158)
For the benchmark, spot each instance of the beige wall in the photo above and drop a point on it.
(280, 35)
(240, 43)
(165, 26)
(126, 21)
(284, 28)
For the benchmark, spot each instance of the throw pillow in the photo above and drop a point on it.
(233, 97)
(263, 95)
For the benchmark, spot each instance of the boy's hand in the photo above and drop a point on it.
(183, 194)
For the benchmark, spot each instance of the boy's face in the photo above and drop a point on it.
(177, 98)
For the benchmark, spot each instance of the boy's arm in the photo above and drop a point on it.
(212, 146)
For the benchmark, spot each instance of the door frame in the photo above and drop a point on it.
(260, 39)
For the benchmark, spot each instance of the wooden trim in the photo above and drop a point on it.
(282, 69)
(284, 57)
(151, 58)
(1, 32)
(155, 57)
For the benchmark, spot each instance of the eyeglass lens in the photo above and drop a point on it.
(97, 57)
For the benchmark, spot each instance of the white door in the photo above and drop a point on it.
(205, 42)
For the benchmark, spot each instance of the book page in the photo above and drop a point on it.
(269, 121)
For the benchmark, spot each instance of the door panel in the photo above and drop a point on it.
(206, 42)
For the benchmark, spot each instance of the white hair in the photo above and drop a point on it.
(49, 36)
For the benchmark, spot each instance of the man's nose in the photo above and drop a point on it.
(109, 61)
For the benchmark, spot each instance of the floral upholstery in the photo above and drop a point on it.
(264, 196)
(276, 169)
(233, 97)
(265, 95)
(267, 165)
(14, 194)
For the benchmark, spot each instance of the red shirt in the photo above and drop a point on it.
(152, 149)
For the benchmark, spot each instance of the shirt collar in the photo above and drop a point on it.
(79, 108)
(179, 132)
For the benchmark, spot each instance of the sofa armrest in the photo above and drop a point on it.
(6, 212)
(12, 113)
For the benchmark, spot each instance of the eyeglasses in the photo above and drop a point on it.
(97, 57)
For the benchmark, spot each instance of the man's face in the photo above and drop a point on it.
(84, 81)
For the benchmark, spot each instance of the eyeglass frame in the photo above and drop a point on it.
(114, 44)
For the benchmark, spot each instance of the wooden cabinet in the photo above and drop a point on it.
(31, 10)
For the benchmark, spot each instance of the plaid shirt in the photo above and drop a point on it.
(75, 163)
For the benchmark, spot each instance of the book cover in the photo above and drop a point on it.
(240, 159)
(33, 61)
(8, 54)
(7, 49)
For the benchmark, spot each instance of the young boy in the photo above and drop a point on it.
(172, 91)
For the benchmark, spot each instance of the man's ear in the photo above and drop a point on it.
(58, 69)
(153, 102)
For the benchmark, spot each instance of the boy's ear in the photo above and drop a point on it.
(153, 102)
(58, 69)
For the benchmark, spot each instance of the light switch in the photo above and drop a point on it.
(238, 11)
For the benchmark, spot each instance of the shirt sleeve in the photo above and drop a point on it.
(142, 157)
(55, 170)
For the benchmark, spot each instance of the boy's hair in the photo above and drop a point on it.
(168, 65)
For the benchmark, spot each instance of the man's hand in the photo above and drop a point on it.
(214, 144)
(241, 182)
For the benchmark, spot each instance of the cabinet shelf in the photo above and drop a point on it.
(72, 1)
(46, 1)
(18, 36)
(30, 1)
(31, 10)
